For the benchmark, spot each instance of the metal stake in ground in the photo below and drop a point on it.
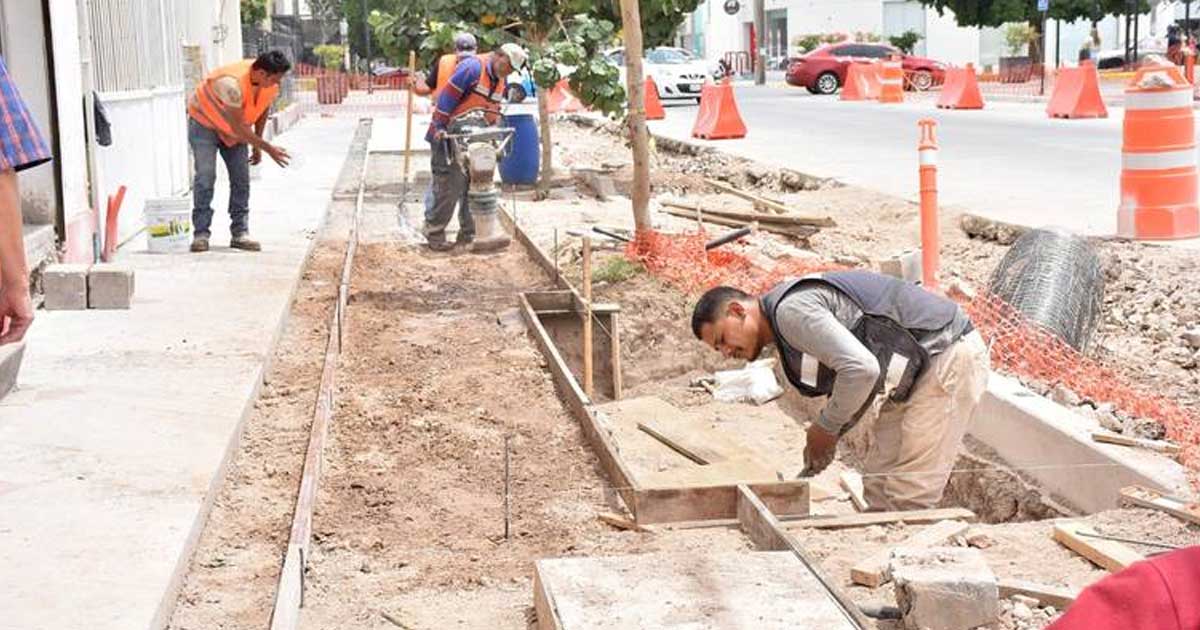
(507, 513)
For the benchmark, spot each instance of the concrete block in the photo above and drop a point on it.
(905, 266)
(11, 356)
(944, 588)
(110, 286)
(65, 287)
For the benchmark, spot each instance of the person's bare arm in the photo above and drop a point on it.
(260, 125)
(231, 112)
(16, 307)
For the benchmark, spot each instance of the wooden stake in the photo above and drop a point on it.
(507, 485)
(615, 344)
(1154, 500)
(408, 112)
(1107, 554)
(852, 482)
(588, 386)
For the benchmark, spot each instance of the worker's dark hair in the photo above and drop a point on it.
(272, 62)
(711, 306)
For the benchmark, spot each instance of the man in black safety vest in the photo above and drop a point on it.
(851, 336)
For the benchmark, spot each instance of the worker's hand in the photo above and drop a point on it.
(16, 313)
(819, 450)
(256, 157)
(439, 135)
(279, 154)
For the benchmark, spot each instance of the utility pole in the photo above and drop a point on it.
(635, 85)
(760, 42)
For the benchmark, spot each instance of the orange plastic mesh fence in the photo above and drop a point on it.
(1018, 346)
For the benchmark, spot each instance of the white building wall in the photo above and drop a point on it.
(72, 154)
(948, 42)
(829, 16)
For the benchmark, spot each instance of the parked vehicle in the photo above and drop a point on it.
(677, 72)
(823, 71)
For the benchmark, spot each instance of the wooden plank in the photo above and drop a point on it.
(1107, 554)
(666, 505)
(770, 204)
(800, 232)
(700, 444)
(1147, 498)
(579, 406)
(764, 530)
(866, 519)
(1061, 597)
(620, 522)
(531, 248)
(852, 482)
(614, 331)
(1161, 446)
(774, 219)
(543, 605)
(872, 571)
(588, 381)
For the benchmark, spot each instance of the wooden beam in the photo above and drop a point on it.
(1107, 554)
(761, 217)
(1147, 498)
(801, 232)
(579, 406)
(667, 505)
(1161, 446)
(764, 530)
(872, 571)
(852, 482)
(588, 381)
(1061, 597)
(614, 335)
(543, 605)
(769, 204)
(866, 519)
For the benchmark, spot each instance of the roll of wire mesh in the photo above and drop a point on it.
(1053, 278)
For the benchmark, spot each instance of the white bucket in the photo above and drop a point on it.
(168, 225)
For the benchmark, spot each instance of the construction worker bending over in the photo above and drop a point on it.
(850, 336)
(478, 84)
(227, 114)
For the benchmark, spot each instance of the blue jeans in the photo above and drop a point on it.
(448, 189)
(205, 146)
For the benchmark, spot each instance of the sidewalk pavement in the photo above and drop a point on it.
(114, 442)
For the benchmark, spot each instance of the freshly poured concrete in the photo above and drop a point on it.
(119, 430)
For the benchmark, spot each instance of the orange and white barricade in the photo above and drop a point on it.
(891, 82)
(1158, 157)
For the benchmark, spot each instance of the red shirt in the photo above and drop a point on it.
(1158, 594)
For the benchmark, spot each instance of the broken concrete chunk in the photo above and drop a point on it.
(1030, 602)
(979, 540)
(944, 588)
(1192, 338)
(1064, 396)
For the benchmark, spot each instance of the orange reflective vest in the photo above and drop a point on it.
(487, 95)
(255, 100)
(446, 65)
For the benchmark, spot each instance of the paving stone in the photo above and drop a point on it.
(944, 588)
(65, 287)
(905, 266)
(110, 286)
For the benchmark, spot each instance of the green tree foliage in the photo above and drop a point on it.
(254, 11)
(905, 42)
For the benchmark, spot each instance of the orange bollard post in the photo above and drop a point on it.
(1189, 64)
(930, 242)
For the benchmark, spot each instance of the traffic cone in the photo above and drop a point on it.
(718, 117)
(961, 90)
(562, 100)
(856, 88)
(1158, 157)
(1077, 93)
(654, 106)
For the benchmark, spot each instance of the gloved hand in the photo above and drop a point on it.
(819, 450)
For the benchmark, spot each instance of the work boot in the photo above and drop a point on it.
(244, 242)
(439, 245)
(464, 240)
(200, 244)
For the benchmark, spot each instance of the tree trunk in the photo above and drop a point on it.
(547, 168)
(635, 86)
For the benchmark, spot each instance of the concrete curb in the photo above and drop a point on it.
(1053, 445)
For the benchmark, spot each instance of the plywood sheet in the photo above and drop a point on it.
(732, 591)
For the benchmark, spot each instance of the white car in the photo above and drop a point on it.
(677, 72)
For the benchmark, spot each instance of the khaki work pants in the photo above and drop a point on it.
(915, 444)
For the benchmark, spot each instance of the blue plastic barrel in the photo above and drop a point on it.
(520, 166)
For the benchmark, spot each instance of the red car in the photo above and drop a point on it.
(823, 70)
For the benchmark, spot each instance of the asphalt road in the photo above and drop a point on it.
(1009, 161)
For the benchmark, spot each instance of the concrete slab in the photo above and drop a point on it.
(11, 356)
(730, 591)
(387, 135)
(112, 446)
(1053, 445)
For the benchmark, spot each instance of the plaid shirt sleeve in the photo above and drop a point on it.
(464, 79)
(21, 143)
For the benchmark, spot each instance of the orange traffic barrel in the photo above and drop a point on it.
(1158, 157)
(892, 82)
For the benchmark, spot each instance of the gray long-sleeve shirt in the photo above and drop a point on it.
(817, 321)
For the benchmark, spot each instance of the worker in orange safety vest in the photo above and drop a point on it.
(227, 114)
